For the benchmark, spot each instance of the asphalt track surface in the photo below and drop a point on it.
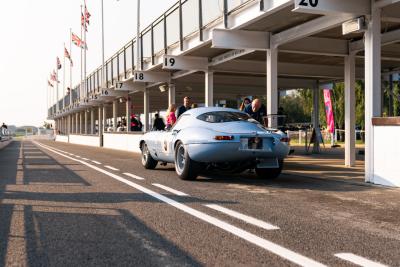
(69, 205)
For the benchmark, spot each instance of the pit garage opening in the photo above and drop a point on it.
(268, 50)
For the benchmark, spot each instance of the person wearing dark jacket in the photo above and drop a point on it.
(158, 124)
(257, 110)
(136, 125)
(185, 107)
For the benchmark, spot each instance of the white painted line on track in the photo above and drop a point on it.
(133, 176)
(85, 159)
(111, 168)
(77, 156)
(256, 240)
(96, 162)
(357, 260)
(243, 217)
(171, 190)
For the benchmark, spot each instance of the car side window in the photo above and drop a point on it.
(182, 122)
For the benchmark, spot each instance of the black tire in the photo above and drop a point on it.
(185, 167)
(270, 174)
(147, 160)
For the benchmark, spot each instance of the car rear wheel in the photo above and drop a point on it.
(270, 173)
(185, 167)
(147, 160)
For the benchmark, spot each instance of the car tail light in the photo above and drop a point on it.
(285, 140)
(223, 138)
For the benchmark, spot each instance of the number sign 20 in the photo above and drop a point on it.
(312, 3)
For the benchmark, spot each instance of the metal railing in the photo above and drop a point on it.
(182, 20)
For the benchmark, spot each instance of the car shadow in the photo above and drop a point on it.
(285, 180)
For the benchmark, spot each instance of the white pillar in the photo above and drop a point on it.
(72, 124)
(350, 106)
(86, 121)
(171, 94)
(100, 125)
(77, 123)
(81, 122)
(209, 82)
(146, 109)
(92, 121)
(272, 86)
(315, 119)
(104, 116)
(69, 124)
(372, 87)
(128, 114)
(115, 107)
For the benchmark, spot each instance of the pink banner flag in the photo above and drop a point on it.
(330, 121)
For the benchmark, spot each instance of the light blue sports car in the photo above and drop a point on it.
(219, 139)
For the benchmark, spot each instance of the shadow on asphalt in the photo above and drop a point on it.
(45, 229)
(285, 181)
(71, 239)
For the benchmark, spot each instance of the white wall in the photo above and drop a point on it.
(85, 140)
(387, 155)
(126, 142)
(62, 138)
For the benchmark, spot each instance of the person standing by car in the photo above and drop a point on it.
(171, 118)
(135, 124)
(158, 124)
(185, 107)
(246, 102)
(257, 110)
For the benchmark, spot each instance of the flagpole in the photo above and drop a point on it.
(64, 78)
(103, 82)
(84, 51)
(58, 107)
(81, 87)
(70, 66)
(138, 49)
(47, 96)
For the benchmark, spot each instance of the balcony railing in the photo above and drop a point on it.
(183, 19)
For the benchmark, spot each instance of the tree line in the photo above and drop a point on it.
(298, 106)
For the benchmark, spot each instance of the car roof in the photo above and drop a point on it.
(198, 111)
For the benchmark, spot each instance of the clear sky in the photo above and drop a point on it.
(33, 33)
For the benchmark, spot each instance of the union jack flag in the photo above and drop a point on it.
(58, 63)
(83, 22)
(78, 42)
(87, 15)
(53, 76)
(67, 55)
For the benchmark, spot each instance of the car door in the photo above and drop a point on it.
(170, 136)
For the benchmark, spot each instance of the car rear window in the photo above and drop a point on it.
(223, 116)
